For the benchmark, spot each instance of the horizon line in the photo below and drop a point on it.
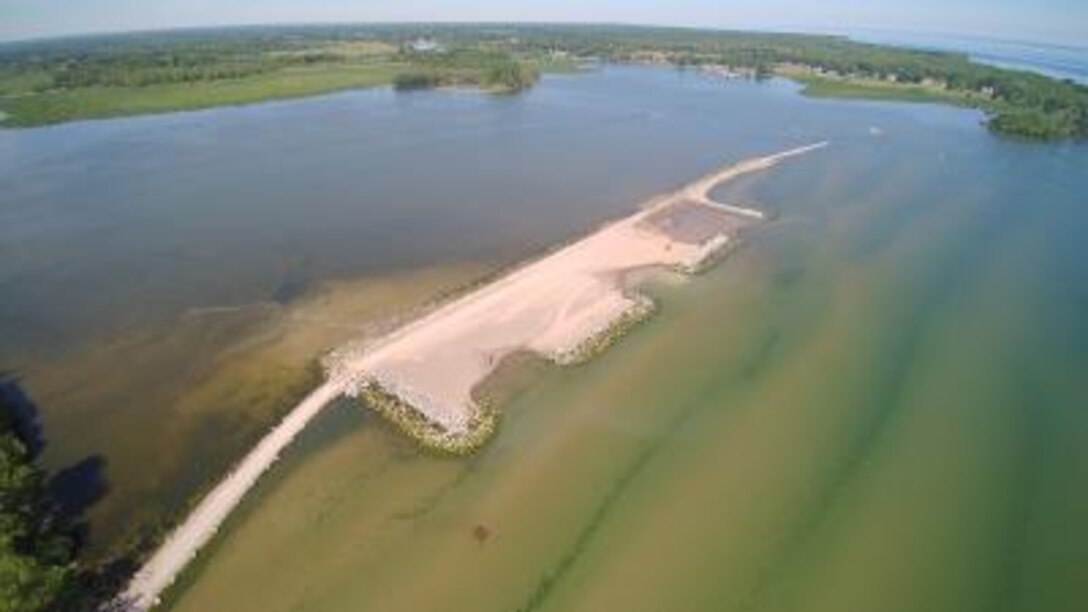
(849, 33)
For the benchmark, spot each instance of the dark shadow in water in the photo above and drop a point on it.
(72, 491)
(293, 286)
(22, 413)
(75, 489)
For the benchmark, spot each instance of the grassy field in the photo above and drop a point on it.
(871, 89)
(96, 102)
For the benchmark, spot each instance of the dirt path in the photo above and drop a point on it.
(202, 523)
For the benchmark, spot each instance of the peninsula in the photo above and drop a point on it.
(563, 306)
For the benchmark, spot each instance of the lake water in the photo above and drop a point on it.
(878, 403)
(1058, 61)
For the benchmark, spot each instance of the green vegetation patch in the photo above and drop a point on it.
(55, 106)
(871, 89)
(1004, 118)
(52, 81)
(416, 79)
(492, 71)
(37, 540)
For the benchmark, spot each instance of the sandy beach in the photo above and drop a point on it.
(551, 306)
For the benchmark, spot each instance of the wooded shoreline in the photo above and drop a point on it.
(54, 81)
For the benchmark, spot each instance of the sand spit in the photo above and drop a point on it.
(554, 306)
(565, 306)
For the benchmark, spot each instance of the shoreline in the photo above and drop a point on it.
(553, 306)
(567, 300)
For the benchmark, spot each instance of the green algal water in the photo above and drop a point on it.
(877, 402)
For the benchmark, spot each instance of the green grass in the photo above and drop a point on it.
(18, 82)
(547, 64)
(871, 89)
(96, 102)
(1022, 123)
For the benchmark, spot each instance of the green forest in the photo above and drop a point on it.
(51, 81)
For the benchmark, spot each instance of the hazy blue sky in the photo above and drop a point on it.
(1064, 21)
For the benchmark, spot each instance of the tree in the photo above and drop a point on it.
(509, 75)
(36, 555)
(415, 80)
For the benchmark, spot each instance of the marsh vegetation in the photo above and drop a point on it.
(52, 81)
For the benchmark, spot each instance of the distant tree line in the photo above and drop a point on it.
(470, 66)
(1020, 102)
(504, 57)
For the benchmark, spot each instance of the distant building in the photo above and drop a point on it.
(424, 45)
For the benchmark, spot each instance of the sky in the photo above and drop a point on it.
(1053, 21)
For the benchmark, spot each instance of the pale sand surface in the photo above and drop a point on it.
(549, 306)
